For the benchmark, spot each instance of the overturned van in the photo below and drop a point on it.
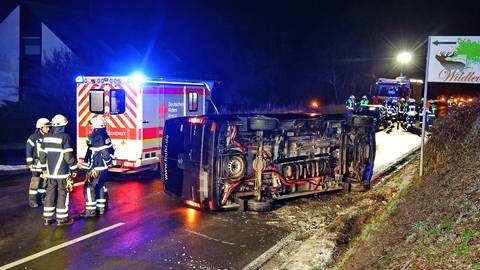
(250, 161)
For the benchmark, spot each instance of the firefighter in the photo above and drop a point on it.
(36, 193)
(364, 101)
(59, 164)
(411, 113)
(391, 114)
(350, 105)
(97, 160)
(433, 106)
(402, 110)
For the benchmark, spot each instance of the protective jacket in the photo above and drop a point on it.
(100, 150)
(57, 154)
(350, 104)
(33, 150)
(402, 107)
(364, 101)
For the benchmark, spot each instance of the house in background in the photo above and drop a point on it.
(26, 43)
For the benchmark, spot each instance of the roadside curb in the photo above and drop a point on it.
(267, 255)
(401, 160)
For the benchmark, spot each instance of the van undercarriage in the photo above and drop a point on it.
(250, 161)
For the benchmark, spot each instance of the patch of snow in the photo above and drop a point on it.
(12, 167)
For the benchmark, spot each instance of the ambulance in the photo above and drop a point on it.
(135, 109)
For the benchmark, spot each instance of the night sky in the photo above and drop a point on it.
(277, 52)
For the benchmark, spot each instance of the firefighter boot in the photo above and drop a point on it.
(65, 221)
(32, 199)
(88, 214)
(101, 210)
(47, 221)
(32, 204)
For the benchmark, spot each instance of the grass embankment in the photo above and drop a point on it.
(435, 223)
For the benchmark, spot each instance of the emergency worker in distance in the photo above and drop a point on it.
(364, 101)
(350, 105)
(98, 159)
(60, 165)
(36, 193)
(402, 112)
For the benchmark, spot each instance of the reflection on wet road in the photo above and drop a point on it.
(146, 230)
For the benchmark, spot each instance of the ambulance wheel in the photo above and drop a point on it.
(262, 123)
(155, 167)
(264, 205)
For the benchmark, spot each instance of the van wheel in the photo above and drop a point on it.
(264, 205)
(235, 166)
(262, 123)
(362, 121)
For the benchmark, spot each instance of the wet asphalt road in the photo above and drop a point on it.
(142, 229)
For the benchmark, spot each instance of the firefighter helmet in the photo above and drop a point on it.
(364, 97)
(402, 99)
(59, 120)
(97, 122)
(352, 97)
(42, 122)
(432, 101)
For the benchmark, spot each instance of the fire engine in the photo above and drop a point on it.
(391, 90)
(135, 109)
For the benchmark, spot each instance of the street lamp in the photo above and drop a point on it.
(403, 58)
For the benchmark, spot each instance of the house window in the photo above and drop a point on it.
(97, 101)
(32, 45)
(192, 101)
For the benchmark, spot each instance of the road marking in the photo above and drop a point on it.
(267, 255)
(57, 247)
(210, 238)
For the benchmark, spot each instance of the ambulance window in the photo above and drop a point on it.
(97, 101)
(192, 101)
(117, 101)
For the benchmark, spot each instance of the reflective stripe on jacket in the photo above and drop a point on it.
(32, 149)
(57, 154)
(100, 151)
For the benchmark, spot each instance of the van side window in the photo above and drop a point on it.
(117, 101)
(97, 101)
(192, 101)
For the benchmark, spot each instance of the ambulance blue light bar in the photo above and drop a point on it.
(79, 79)
(137, 78)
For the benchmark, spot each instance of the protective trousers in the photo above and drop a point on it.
(95, 194)
(56, 191)
(36, 192)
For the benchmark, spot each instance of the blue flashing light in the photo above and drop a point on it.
(79, 79)
(137, 78)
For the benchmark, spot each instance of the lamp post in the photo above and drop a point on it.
(403, 58)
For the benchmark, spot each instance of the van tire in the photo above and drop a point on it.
(235, 165)
(265, 205)
(262, 123)
(361, 121)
